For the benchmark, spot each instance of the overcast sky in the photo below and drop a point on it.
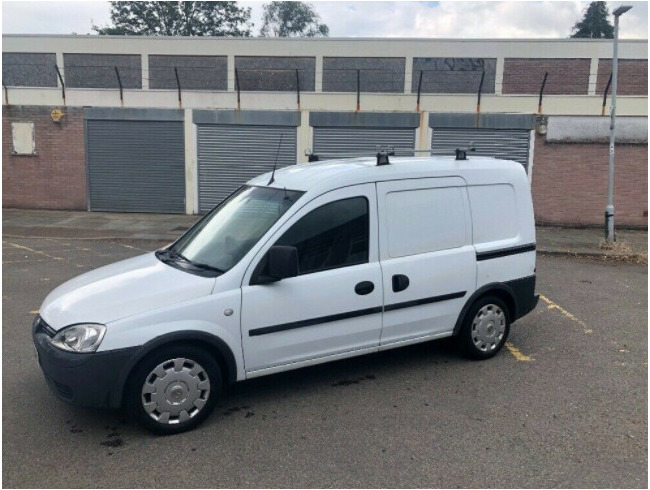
(362, 19)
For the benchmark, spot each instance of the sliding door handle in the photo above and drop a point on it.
(400, 282)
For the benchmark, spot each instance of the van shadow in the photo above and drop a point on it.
(392, 363)
(113, 429)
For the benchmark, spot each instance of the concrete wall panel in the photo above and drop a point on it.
(29, 69)
(375, 74)
(453, 75)
(98, 71)
(266, 73)
(194, 72)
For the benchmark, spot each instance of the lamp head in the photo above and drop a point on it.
(621, 10)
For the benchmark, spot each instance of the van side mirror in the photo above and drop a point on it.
(283, 262)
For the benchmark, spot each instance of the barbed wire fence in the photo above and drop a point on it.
(297, 80)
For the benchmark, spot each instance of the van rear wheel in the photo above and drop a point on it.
(485, 328)
(174, 389)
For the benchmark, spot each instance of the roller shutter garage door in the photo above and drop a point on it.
(230, 155)
(341, 142)
(508, 144)
(136, 166)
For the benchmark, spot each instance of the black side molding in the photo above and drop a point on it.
(313, 321)
(493, 254)
(352, 314)
(425, 301)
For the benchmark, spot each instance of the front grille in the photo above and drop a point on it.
(42, 327)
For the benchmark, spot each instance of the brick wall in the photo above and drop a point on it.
(632, 77)
(194, 72)
(98, 70)
(453, 75)
(375, 74)
(29, 69)
(570, 184)
(565, 76)
(56, 177)
(276, 73)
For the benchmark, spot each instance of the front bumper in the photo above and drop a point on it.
(92, 380)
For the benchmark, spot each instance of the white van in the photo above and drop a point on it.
(319, 262)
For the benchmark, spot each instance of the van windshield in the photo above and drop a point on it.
(220, 240)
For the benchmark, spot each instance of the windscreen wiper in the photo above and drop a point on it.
(204, 267)
(174, 255)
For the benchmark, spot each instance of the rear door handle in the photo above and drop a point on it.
(400, 282)
(364, 287)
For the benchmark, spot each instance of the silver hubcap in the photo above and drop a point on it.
(175, 391)
(488, 328)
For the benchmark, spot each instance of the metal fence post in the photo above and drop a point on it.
(178, 84)
(58, 72)
(119, 81)
(419, 91)
(609, 82)
(541, 93)
(298, 88)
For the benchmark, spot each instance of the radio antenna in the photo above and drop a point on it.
(277, 154)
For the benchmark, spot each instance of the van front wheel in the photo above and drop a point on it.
(174, 389)
(485, 328)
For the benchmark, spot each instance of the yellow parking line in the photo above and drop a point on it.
(517, 354)
(33, 312)
(554, 306)
(22, 247)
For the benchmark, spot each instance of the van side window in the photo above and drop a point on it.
(425, 220)
(331, 236)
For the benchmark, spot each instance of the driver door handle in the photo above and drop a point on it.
(364, 287)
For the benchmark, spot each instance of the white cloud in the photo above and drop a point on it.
(449, 19)
(454, 19)
(53, 17)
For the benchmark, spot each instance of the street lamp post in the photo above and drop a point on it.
(609, 210)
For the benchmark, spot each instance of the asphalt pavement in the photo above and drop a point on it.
(564, 405)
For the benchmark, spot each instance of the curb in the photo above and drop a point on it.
(588, 255)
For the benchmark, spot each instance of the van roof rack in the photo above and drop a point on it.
(461, 153)
(384, 151)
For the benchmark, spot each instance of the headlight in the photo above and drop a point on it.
(80, 338)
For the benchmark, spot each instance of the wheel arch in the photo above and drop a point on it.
(498, 289)
(213, 344)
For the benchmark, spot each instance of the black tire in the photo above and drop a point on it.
(468, 337)
(135, 399)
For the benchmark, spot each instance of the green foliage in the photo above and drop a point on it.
(292, 19)
(594, 24)
(177, 19)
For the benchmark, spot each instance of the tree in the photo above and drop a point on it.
(594, 24)
(292, 19)
(178, 19)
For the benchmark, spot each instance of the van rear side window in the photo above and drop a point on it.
(425, 220)
(494, 212)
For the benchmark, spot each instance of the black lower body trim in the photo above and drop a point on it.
(352, 314)
(504, 252)
(525, 298)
